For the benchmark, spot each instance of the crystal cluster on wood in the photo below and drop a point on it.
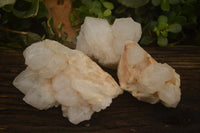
(104, 42)
(146, 79)
(56, 75)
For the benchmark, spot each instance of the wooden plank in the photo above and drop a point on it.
(125, 114)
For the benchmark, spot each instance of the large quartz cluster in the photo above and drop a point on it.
(56, 75)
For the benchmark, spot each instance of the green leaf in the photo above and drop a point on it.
(31, 12)
(162, 22)
(82, 12)
(165, 5)
(156, 2)
(60, 30)
(48, 26)
(6, 2)
(43, 37)
(175, 28)
(30, 38)
(162, 41)
(181, 20)
(33, 36)
(162, 19)
(96, 7)
(108, 5)
(107, 12)
(133, 3)
(87, 3)
(42, 12)
(162, 26)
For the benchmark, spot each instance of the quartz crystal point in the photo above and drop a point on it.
(104, 42)
(146, 79)
(56, 75)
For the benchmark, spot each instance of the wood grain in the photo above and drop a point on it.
(125, 114)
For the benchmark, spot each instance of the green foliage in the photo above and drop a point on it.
(93, 8)
(175, 28)
(162, 41)
(48, 26)
(165, 5)
(162, 29)
(30, 38)
(17, 21)
(108, 5)
(23, 22)
(42, 12)
(30, 12)
(165, 22)
(173, 19)
(178, 14)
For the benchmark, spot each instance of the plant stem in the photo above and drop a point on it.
(13, 31)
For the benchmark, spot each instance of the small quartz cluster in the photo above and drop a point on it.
(146, 79)
(56, 75)
(104, 42)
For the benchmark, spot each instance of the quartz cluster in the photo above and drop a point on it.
(146, 79)
(56, 75)
(104, 42)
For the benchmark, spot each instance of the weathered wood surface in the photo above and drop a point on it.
(125, 114)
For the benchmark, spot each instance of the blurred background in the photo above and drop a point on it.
(164, 22)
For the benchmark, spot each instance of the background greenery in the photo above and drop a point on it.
(164, 22)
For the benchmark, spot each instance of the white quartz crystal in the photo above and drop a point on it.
(56, 75)
(146, 79)
(104, 42)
